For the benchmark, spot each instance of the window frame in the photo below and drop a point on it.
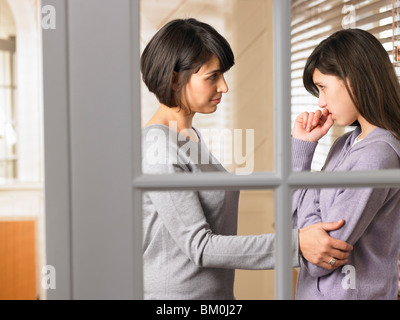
(69, 215)
(282, 180)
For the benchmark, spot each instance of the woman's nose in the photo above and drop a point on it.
(222, 86)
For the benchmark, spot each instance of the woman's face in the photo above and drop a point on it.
(204, 90)
(334, 96)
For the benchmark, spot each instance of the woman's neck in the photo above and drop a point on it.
(175, 118)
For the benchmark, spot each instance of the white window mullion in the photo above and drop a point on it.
(348, 179)
(57, 153)
(282, 194)
(201, 181)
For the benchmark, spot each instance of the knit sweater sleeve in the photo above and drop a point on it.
(302, 155)
(357, 207)
(183, 216)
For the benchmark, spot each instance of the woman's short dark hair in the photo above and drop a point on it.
(359, 59)
(178, 50)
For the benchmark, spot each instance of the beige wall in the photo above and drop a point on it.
(255, 217)
(253, 86)
(247, 25)
(253, 96)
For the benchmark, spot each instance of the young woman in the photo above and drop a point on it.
(190, 246)
(354, 79)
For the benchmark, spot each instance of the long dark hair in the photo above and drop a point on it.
(359, 59)
(178, 50)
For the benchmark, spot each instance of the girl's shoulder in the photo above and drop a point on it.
(378, 150)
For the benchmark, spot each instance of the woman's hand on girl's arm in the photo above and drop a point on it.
(317, 247)
(312, 126)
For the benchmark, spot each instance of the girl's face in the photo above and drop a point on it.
(205, 88)
(334, 97)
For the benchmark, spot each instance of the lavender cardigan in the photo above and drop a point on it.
(372, 220)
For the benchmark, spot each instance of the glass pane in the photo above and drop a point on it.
(240, 132)
(205, 235)
(372, 225)
(256, 216)
(313, 24)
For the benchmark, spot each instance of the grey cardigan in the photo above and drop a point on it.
(190, 242)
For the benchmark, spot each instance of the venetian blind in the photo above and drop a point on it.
(315, 20)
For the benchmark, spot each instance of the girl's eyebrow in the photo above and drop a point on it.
(214, 71)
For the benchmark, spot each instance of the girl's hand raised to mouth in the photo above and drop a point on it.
(312, 126)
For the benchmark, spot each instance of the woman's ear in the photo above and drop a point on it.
(175, 81)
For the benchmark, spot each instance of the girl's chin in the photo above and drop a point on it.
(340, 123)
(209, 110)
(346, 124)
